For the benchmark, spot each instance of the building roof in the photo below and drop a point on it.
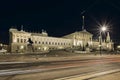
(78, 32)
(85, 32)
(38, 34)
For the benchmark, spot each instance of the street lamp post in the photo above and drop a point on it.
(100, 42)
(103, 29)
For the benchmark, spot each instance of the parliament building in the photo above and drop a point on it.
(26, 42)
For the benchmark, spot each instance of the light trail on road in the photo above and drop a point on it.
(59, 69)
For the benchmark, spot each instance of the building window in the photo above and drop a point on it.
(49, 43)
(18, 40)
(55, 43)
(21, 40)
(39, 42)
(35, 42)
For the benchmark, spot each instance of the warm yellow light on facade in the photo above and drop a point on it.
(118, 46)
(38, 47)
(21, 47)
(45, 48)
(15, 40)
(60, 47)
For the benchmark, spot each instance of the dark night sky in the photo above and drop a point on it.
(59, 17)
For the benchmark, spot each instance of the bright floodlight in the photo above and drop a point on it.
(103, 28)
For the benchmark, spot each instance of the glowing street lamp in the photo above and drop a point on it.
(103, 29)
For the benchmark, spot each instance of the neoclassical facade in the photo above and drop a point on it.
(80, 38)
(22, 41)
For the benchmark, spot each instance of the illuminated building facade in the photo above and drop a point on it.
(22, 41)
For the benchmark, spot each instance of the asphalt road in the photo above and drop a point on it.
(91, 68)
